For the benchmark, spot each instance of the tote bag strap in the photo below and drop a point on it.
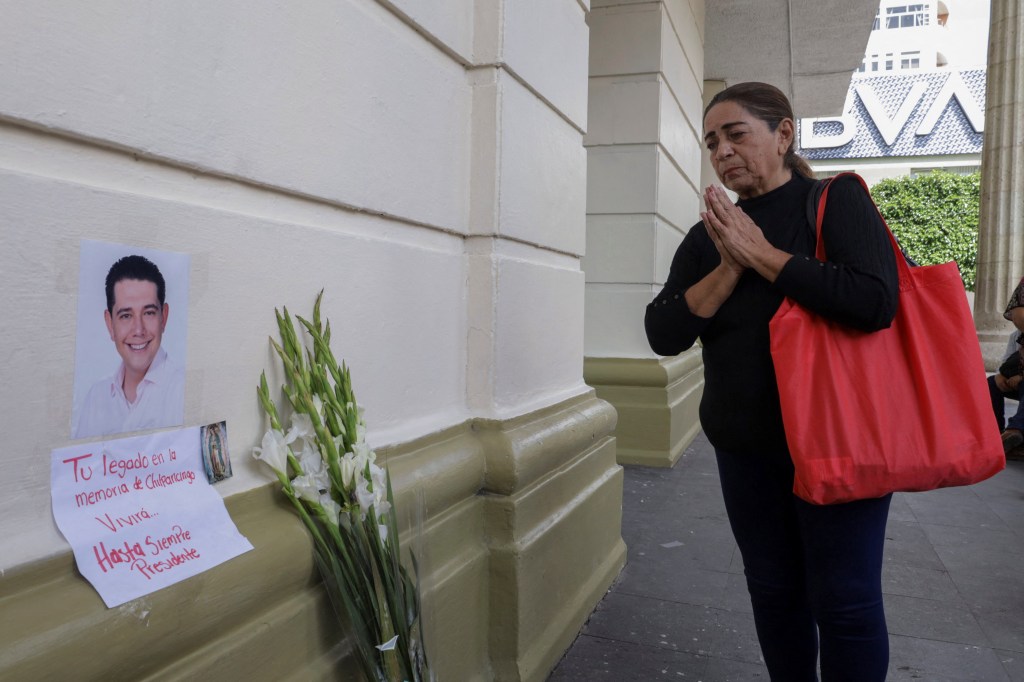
(903, 261)
(812, 204)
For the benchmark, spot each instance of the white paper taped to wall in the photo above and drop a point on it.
(139, 513)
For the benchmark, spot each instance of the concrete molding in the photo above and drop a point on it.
(246, 611)
(554, 491)
(522, 449)
(501, 600)
(657, 401)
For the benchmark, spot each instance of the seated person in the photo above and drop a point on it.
(1008, 382)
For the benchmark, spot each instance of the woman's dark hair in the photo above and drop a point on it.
(769, 104)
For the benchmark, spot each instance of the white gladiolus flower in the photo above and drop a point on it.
(379, 478)
(315, 489)
(274, 451)
(361, 449)
(377, 497)
(310, 459)
(323, 479)
(364, 495)
(360, 462)
(363, 455)
(302, 427)
(332, 508)
(349, 469)
(307, 488)
(330, 473)
(320, 478)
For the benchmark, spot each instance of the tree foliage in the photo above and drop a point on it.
(934, 217)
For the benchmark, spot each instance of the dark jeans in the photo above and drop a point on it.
(999, 405)
(812, 571)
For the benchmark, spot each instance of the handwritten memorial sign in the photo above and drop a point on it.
(140, 513)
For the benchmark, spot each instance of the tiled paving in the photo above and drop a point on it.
(953, 582)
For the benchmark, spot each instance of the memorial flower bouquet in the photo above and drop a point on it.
(344, 497)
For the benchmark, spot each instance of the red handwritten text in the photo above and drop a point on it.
(165, 480)
(121, 467)
(85, 473)
(89, 498)
(108, 559)
(116, 522)
(178, 536)
(149, 569)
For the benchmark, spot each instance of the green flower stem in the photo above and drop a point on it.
(362, 573)
(268, 405)
(396, 584)
(294, 463)
(289, 492)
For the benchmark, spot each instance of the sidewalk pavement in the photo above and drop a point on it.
(953, 582)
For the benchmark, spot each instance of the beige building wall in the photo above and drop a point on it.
(427, 164)
(422, 163)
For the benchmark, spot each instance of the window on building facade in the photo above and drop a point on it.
(869, 63)
(956, 170)
(822, 174)
(910, 60)
(906, 16)
(907, 60)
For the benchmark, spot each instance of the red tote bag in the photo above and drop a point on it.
(901, 409)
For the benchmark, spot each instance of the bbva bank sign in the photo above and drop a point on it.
(910, 114)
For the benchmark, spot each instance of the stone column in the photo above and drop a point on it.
(643, 160)
(551, 489)
(1001, 226)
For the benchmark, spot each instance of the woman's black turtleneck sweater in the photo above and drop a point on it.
(856, 285)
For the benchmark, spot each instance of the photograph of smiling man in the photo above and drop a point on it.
(144, 386)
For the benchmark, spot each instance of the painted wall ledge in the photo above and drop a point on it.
(516, 525)
(657, 400)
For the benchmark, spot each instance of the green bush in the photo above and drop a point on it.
(934, 217)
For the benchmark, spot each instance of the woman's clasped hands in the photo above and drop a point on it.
(740, 242)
